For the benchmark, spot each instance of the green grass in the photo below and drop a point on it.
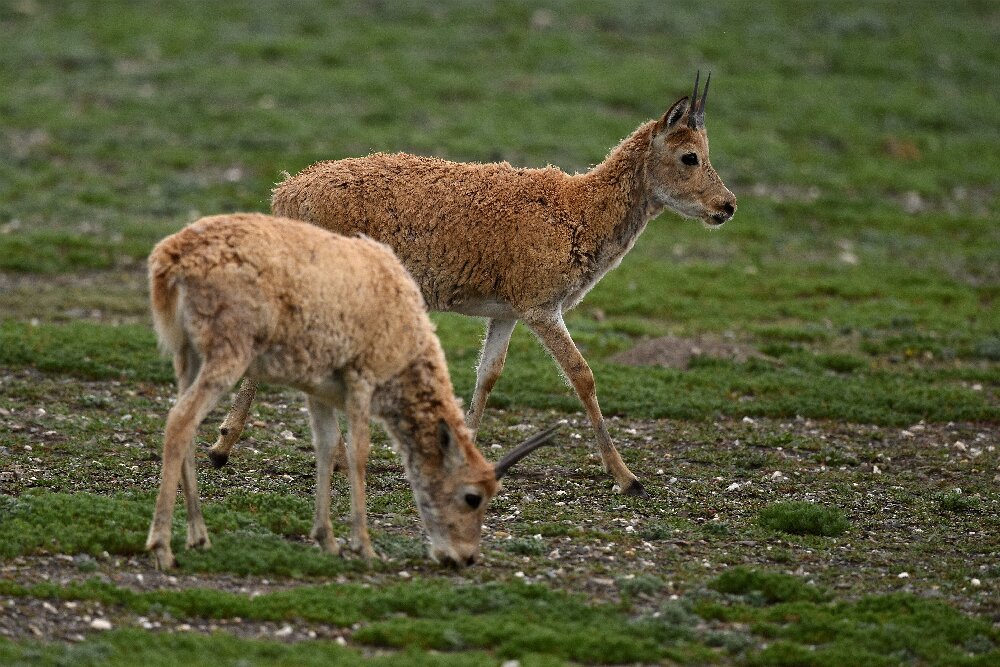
(130, 647)
(873, 311)
(804, 386)
(793, 622)
(804, 518)
(766, 587)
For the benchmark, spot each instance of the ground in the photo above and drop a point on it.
(557, 523)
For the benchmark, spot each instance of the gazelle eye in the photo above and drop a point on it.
(690, 159)
(473, 499)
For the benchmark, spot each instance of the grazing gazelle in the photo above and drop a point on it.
(339, 318)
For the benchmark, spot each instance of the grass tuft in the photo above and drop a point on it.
(803, 518)
(766, 587)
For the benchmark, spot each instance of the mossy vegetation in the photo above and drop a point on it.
(804, 518)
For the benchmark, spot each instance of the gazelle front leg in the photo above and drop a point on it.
(359, 393)
(326, 438)
(551, 330)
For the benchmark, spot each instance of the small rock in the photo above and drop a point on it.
(288, 435)
(976, 583)
(341, 641)
(100, 624)
(903, 575)
(284, 631)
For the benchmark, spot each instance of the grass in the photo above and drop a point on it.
(860, 269)
(802, 385)
(419, 615)
(804, 518)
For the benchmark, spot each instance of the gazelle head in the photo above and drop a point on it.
(452, 491)
(680, 175)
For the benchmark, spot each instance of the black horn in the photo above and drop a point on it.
(696, 108)
(522, 450)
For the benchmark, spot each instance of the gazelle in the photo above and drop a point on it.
(282, 301)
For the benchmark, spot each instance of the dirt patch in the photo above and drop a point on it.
(675, 352)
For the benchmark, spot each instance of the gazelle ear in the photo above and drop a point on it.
(451, 453)
(673, 115)
(446, 439)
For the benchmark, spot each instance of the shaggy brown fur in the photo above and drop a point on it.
(282, 301)
(512, 244)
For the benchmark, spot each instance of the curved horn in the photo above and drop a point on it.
(701, 105)
(522, 450)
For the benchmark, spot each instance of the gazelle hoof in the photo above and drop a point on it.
(635, 489)
(163, 559)
(218, 459)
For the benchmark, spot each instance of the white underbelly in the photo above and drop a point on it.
(495, 309)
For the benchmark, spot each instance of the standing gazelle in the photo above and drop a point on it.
(509, 244)
(340, 319)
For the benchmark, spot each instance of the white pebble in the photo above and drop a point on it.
(976, 583)
(100, 624)
(903, 575)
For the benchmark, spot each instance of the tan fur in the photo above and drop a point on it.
(281, 301)
(513, 244)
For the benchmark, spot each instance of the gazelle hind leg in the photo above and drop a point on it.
(553, 334)
(232, 426)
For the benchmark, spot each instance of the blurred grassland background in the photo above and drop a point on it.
(860, 138)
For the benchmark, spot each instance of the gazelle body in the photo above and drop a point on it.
(509, 244)
(281, 301)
